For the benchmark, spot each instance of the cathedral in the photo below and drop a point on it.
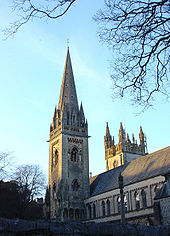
(73, 196)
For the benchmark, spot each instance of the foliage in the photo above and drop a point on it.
(27, 10)
(138, 33)
(15, 204)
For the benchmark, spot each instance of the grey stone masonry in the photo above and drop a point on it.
(68, 154)
(125, 151)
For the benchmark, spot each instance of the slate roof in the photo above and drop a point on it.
(145, 167)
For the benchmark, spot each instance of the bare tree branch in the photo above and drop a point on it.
(6, 163)
(30, 178)
(27, 10)
(138, 32)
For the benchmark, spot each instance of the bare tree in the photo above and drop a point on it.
(31, 178)
(6, 163)
(27, 10)
(139, 34)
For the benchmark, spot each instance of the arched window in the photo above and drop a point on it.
(54, 186)
(74, 155)
(94, 210)
(77, 214)
(74, 119)
(137, 200)
(82, 216)
(103, 208)
(115, 164)
(108, 207)
(71, 213)
(119, 204)
(65, 214)
(125, 203)
(75, 185)
(89, 211)
(56, 157)
(144, 201)
(156, 188)
(67, 118)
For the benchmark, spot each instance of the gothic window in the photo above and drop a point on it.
(103, 208)
(137, 200)
(67, 118)
(125, 203)
(75, 185)
(115, 164)
(71, 213)
(156, 189)
(54, 186)
(108, 207)
(55, 158)
(94, 211)
(74, 155)
(119, 204)
(65, 214)
(73, 119)
(144, 201)
(89, 210)
(77, 214)
(82, 216)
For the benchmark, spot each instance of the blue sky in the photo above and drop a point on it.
(32, 65)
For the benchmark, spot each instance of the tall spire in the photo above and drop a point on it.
(68, 90)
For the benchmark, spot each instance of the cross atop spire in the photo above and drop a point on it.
(68, 41)
(68, 95)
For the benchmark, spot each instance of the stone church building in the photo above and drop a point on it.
(72, 195)
(68, 153)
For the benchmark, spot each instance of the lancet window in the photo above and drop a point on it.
(77, 214)
(65, 214)
(55, 158)
(103, 208)
(125, 203)
(108, 207)
(119, 204)
(75, 185)
(115, 164)
(74, 155)
(144, 201)
(137, 200)
(94, 211)
(71, 213)
(89, 210)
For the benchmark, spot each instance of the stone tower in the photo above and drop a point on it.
(68, 154)
(125, 151)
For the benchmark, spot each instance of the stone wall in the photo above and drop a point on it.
(165, 210)
(21, 227)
